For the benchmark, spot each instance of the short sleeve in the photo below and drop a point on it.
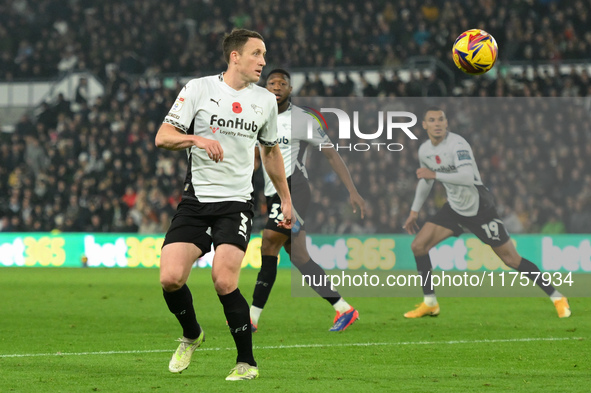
(302, 120)
(182, 112)
(268, 134)
(422, 163)
(318, 136)
(462, 154)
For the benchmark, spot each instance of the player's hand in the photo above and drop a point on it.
(410, 225)
(212, 148)
(286, 211)
(425, 173)
(357, 202)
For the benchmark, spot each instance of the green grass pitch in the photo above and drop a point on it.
(109, 330)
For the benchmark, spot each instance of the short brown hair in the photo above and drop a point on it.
(235, 41)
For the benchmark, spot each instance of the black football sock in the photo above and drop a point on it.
(534, 274)
(317, 280)
(265, 281)
(180, 303)
(424, 268)
(238, 317)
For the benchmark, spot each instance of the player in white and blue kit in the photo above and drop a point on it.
(293, 144)
(218, 120)
(448, 158)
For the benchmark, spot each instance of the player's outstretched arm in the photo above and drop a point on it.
(463, 177)
(421, 193)
(171, 138)
(257, 158)
(338, 165)
(273, 163)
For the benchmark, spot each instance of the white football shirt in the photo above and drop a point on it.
(293, 143)
(450, 157)
(209, 108)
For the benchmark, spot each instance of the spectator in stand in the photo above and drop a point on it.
(130, 196)
(101, 42)
(554, 225)
(25, 127)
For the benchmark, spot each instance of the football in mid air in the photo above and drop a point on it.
(475, 52)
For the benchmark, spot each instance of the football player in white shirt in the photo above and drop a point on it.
(448, 158)
(218, 121)
(293, 143)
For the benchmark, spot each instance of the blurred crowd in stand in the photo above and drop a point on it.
(97, 169)
(41, 38)
(80, 165)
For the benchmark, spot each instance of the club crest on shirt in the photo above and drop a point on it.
(257, 109)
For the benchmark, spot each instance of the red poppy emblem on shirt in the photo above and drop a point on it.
(437, 159)
(236, 108)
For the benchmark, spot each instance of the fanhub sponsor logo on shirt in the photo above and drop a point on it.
(446, 169)
(237, 123)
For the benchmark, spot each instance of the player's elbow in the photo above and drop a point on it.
(468, 181)
(158, 141)
(330, 153)
(165, 136)
(270, 152)
(272, 157)
(466, 176)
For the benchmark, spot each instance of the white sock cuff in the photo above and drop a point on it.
(430, 300)
(255, 314)
(555, 296)
(341, 306)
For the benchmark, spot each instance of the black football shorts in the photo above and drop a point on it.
(300, 199)
(205, 223)
(486, 224)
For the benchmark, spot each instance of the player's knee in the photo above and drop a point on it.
(299, 261)
(224, 285)
(270, 247)
(419, 248)
(266, 249)
(171, 283)
(509, 256)
(512, 261)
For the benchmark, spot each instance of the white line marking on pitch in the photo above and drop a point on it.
(508, 340)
